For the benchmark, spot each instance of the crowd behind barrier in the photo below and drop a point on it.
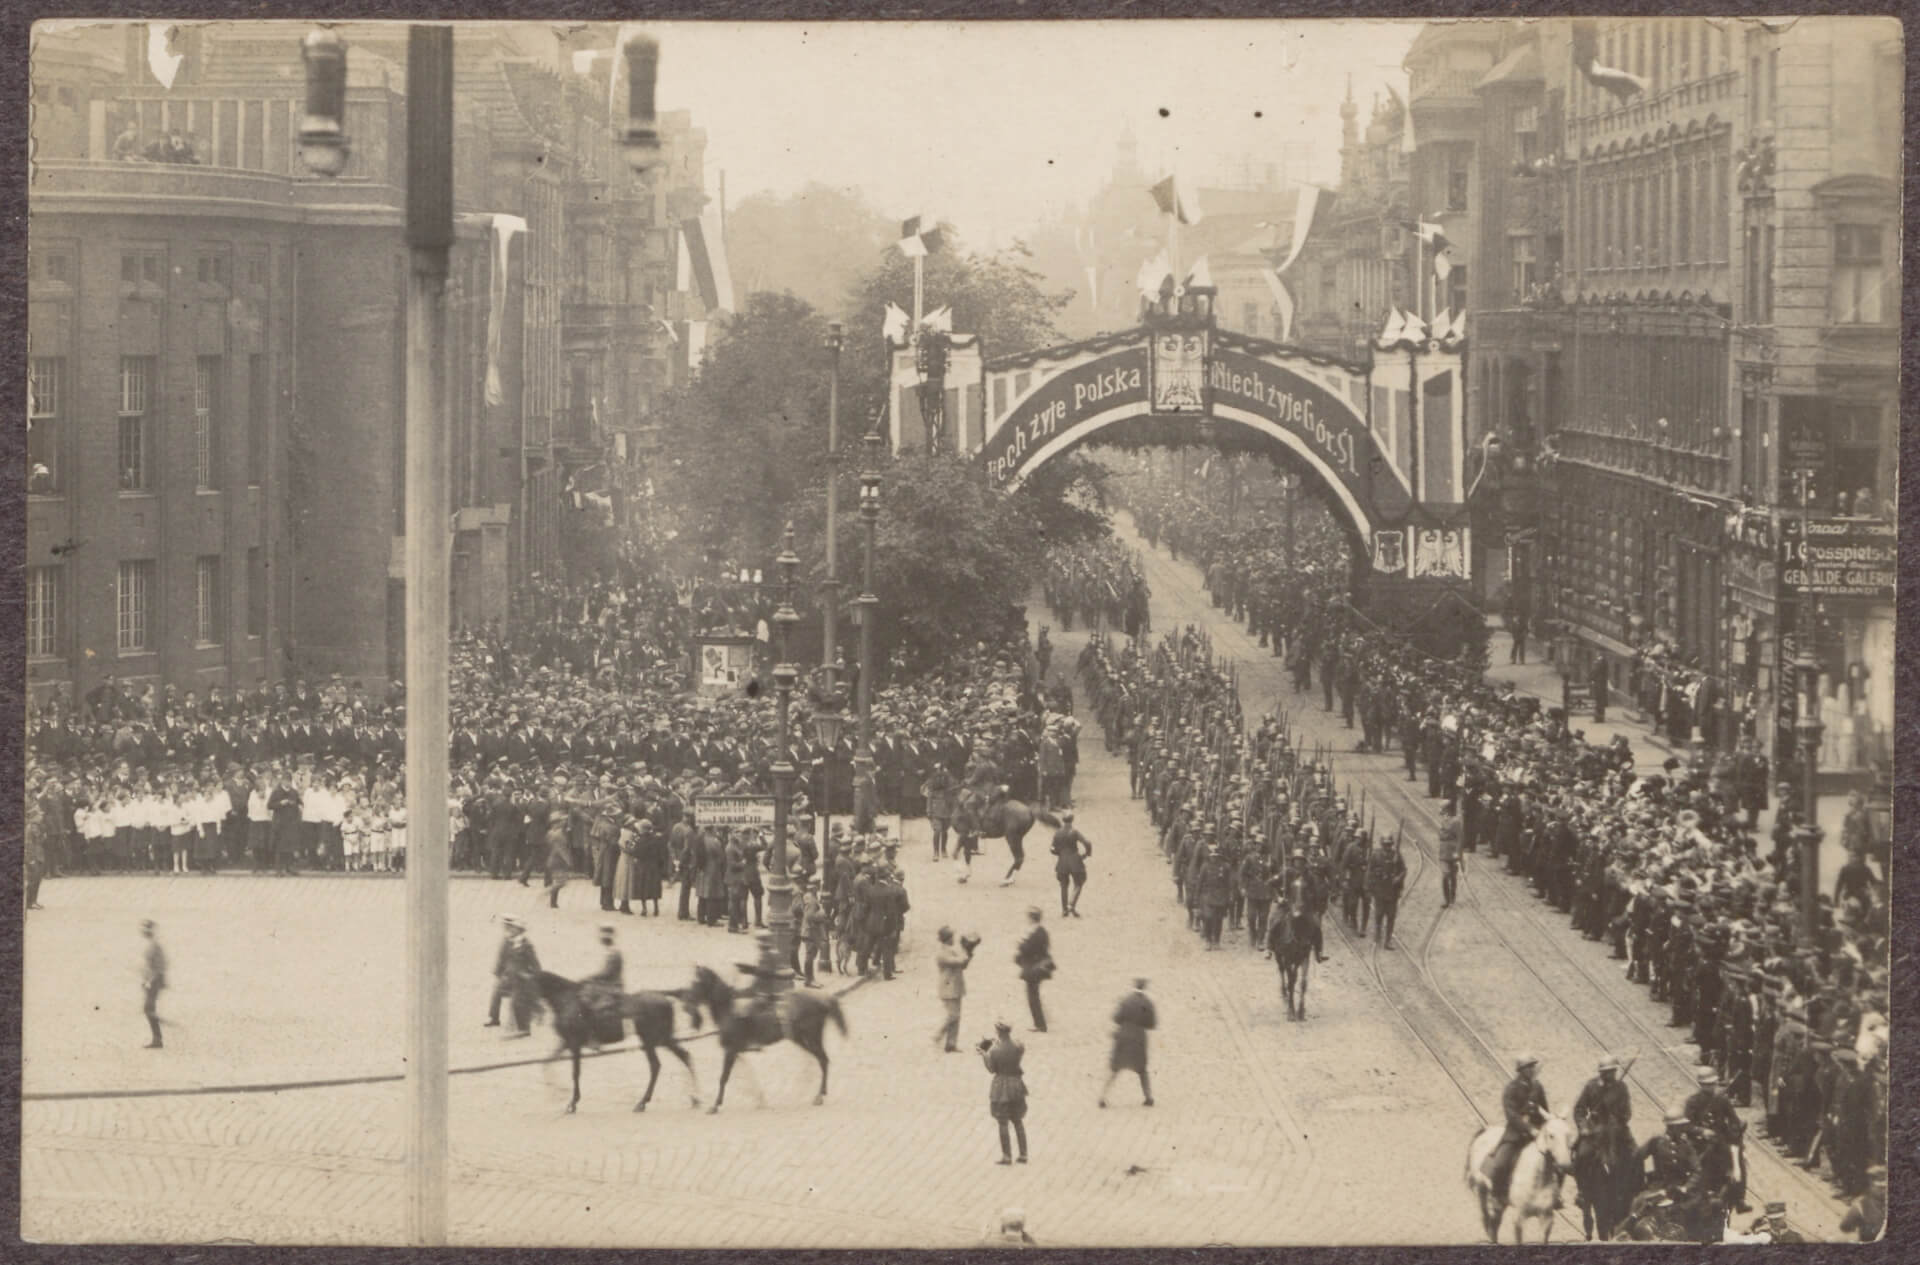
(1666, 868)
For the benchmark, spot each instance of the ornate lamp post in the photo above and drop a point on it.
(829, 722)
(863, 808)
(779, 890)
(1809, 731)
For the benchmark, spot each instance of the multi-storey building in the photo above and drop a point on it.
(1685, 297)
(216, 366)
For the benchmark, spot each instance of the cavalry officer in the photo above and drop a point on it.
(1524, 1103)
(1707, 1108)
(1605, 1109)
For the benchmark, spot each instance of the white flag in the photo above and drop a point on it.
(1200, 274)
(895, 325)
(1415, 329)
(1283, 300)
(1394, 330)
(1153, 272)
(940, 319)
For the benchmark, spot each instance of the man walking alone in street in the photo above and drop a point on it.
(1449, 854)
(1385, 877)
(1131, 1022)
(153, 978)
(953, 961)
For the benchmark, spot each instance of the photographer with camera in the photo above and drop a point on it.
(953, 963)
(1007, 1097)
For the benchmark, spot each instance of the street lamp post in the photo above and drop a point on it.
(863, 807)
(830, 614)
(1809, 731)
(779, 889)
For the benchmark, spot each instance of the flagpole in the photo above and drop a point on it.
(919, 290)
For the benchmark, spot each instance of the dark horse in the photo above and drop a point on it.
(1290, 939)
(651, 1015)
(797, 1017)
(1009, 819)
(1603, 1168)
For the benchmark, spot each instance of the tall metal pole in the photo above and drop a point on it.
(1810, 731)
(429, 548)
(863, 807)
(779, 889)
(830, 618)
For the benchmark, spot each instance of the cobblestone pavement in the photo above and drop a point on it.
(1350, 1128)
(1501, 971)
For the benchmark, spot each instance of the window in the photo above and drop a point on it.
(1457, 289)
(1753, 92)
(1702, 211)
(44, 391)
(1521, 251)
(1526, 133)
(210, 612)
(213, 270)
(52, 264)
(134, 606)
(141, 268)
(1682, 212)
(1860, 452)
(136, 378)
(1457, 183)
(206, 423)
(254, 269)
(1753, 442)
(257, 406)
(43, 612)
(1859, 274)
(256, 593)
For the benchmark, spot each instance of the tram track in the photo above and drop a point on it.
(1623, 1030)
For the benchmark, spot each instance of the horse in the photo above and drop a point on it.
(651, 1014)
(1603, 1168)
(797, 1017)
(1010, 819)
(1290, 940)
(1533, 1192)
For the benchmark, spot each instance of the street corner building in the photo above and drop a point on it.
(216, 360)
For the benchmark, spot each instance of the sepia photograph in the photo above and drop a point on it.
(853, 635)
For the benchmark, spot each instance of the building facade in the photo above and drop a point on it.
(1686, 298)
(216, 363)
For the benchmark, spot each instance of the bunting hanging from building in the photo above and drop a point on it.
(502, 228)
(1307, 208)
(1443, 261)
(161, 59)
(1155, 272)
(1282, 302)
(1586, 51)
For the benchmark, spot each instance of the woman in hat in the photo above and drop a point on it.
(1007, 1095)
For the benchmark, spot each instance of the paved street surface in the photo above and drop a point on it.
(1350, 1128)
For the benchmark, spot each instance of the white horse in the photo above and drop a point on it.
(1533, 1192)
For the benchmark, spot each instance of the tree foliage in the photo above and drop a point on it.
(817, 245)
(746, 447)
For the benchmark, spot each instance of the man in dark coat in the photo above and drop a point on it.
(1034, 957)
(1132, 1020)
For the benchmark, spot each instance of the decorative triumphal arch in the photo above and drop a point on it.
(1385, 437)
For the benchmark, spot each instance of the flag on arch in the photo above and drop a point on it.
(894, 327)
(918, 241)
(1174, 198)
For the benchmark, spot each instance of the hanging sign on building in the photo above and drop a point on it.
(1439, 552)
(754, 811)
(1839, 557)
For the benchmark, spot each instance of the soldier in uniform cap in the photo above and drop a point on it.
(1524, 1104)
(1707, 1109)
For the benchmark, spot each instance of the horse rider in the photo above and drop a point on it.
(1709, 1109)
(514, 970)
(602, 990)
(1604, 1111)
(769, 974)
(1524, 1102)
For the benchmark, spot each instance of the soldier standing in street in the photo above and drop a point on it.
(813, 924)
(1386, 876)
(1007, 1095)
(1071, 850)
(1449, 854)
(153, 978)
